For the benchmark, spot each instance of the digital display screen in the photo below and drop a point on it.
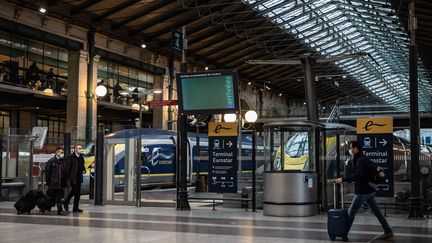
(208, 92)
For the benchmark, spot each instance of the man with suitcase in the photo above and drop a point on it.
(74, 165)
(54, 173)
(364, 193)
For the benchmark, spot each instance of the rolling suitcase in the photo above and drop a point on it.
(27, 203)
(337, 219)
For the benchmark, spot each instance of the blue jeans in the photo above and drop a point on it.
(358, 200)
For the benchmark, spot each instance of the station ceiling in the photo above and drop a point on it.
(226, 33)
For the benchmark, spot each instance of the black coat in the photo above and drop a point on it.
(74, 166)
(360, 175)
(54, 173)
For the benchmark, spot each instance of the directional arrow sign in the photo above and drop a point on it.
(229, 144)
(383, 142)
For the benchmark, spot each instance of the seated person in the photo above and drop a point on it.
(33, 74)
(117, 96)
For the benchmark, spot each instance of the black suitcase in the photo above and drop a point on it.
(45, 204)
(27, 203)
(337, 220)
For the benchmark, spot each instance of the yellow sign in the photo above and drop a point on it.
(223, 129)
(374, 125)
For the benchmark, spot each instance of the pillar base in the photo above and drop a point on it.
(182, 201)
(415, 209)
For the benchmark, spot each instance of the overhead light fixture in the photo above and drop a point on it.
(280, 94)
(249, 83)
(298, 80)
(157, 91)
(143, 45)
(42, 10)
(101, 90)
(206, 68)
(267, 87)
(230, 117)
(344, 76)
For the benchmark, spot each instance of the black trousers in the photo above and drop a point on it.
(76, 193)
(56, 195)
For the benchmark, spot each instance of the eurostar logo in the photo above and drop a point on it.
(370, 124)
(222, 129)
(375, 125)
(219, 127)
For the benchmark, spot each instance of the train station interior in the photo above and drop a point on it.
(215, 120)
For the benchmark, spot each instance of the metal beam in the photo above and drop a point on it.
(146, 10)
(114, 10)
(83, 6)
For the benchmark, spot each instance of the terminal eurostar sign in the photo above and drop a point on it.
(376, 125)
(222, 129)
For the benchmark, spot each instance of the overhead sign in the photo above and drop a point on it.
(176, 40)
(375, 125)
(376, 135)
(156, 103)
(39, 135)
(223, 157)
(222, 129)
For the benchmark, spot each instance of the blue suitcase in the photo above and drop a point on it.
(337, 220)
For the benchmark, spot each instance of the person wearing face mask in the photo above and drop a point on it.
(74, 167)
(54, 173)
(364, 193)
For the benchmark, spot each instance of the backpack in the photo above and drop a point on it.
(375, 174)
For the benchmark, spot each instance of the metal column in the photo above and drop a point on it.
(415, 198)
(182, 193)
(90, 95)
(99, 169)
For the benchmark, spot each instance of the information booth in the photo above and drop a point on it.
(291, 175)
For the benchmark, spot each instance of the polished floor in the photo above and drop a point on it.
(201, 224)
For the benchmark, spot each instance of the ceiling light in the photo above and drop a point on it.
(143, 45)
(249, 83)
(42, 10)
(267, 87)
(298, 80)
(206, 68)
(344, 76)
(280, 94)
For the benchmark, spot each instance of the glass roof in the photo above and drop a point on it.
(340, 27)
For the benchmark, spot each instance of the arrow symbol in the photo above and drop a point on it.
(229, 143)
(383, 142)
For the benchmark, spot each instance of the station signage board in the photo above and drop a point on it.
(376, 135)
(158, 103)
(222, 157)
(177, 40)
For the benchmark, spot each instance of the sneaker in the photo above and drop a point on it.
(385, 236)
(77, 210)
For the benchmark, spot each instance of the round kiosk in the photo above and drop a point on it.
(291, 162)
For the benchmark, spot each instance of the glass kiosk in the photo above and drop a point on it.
(292, 152)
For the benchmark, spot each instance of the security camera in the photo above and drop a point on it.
(193, 122)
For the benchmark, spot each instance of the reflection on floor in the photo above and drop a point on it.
(201, 224)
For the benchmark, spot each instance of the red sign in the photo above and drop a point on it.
(155, 103)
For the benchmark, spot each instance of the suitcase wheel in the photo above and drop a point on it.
(332, 237)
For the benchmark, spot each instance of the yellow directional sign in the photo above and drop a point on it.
(375, 125)
(222, 129)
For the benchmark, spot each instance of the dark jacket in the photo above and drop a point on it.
(360, 176)
(74, 166)
(54, 173)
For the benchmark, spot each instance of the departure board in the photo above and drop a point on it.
(208, 92)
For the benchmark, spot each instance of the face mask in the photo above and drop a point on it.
(351, 152)
(60, 156)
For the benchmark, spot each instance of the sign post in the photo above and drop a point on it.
(376, 135)
(222, 157)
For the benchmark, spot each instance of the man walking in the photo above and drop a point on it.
(74, 166)
(54, 173)
(364, 193)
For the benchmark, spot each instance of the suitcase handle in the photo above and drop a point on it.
(334, 195)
